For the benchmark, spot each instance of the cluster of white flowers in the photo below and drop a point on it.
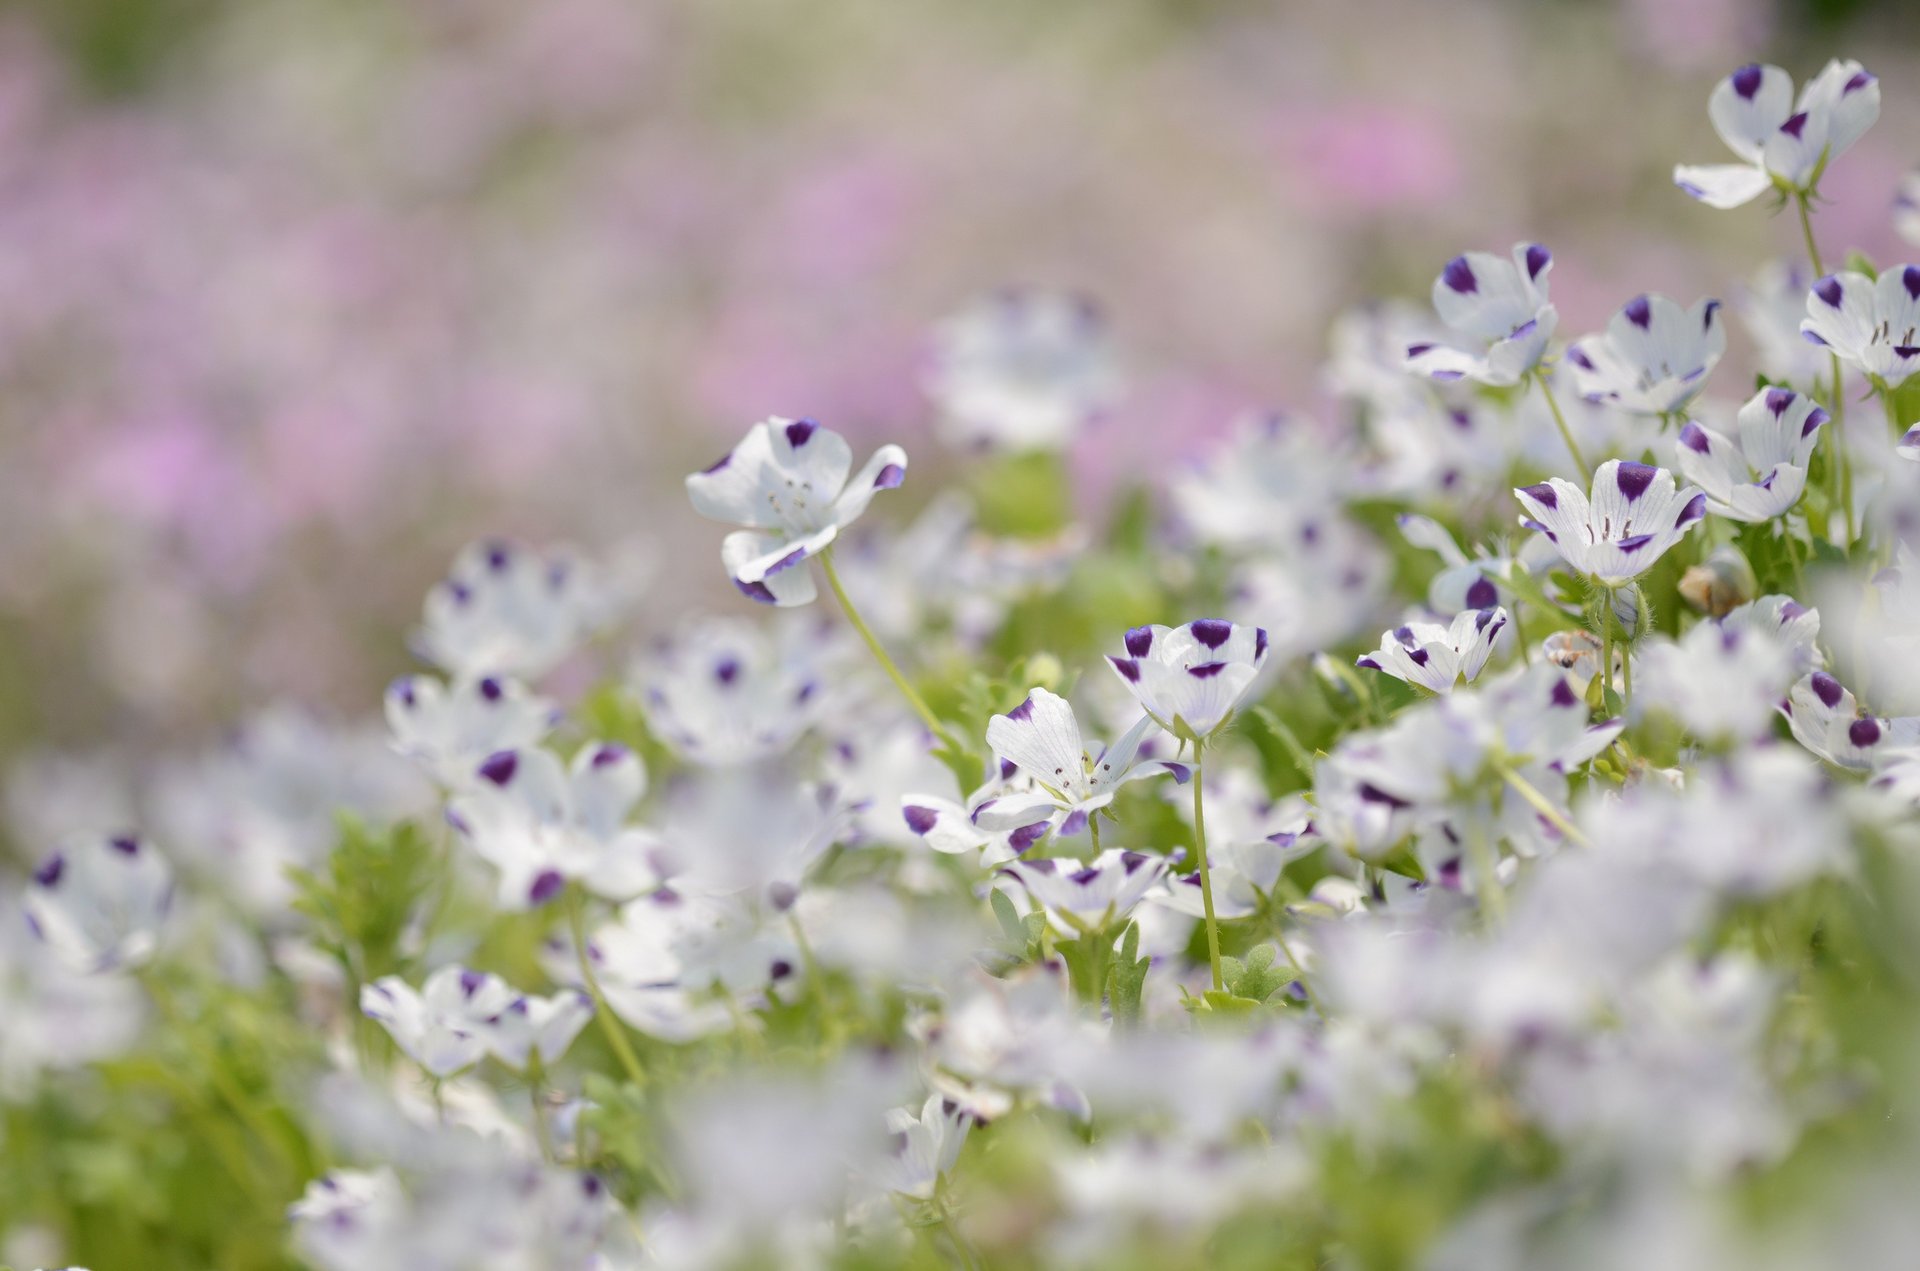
(1540, 895)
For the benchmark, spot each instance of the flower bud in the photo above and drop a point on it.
(1719, 584)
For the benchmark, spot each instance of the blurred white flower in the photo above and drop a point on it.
(1781, 145)
(449, 728)
(1501, 307)
(505, 609)
(1653, 358)
(100, 902)
(1022, 370)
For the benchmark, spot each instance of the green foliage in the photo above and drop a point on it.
(365, 897)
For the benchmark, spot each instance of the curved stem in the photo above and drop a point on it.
(1560, 421)
(1806, 229)
(609, 1023)
(879, 652)
(1206, 881)
(1543, 805)
(1842, 475)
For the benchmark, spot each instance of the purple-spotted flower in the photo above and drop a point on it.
(1826, 719)
(787, 483)
(1082, 896)
(449, 728)
(1761, 471)
(1479, 582)
(99, 903)
(1873, 324)
(985, 824)
(724, 692)
(1653, 358)
(1906, 208)
(1635, 514)
(1041, 739)
(1720, 681)
(925, 1146)
(1022, 370)
(1783, 145)
(458, 1016)
(1190, 679)
(1499, 310)
(1435, 657)
(504, 609)
(542, 824)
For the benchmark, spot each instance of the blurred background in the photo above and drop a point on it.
(297, 296)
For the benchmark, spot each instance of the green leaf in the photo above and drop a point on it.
(1008, 918)
(1126, 979)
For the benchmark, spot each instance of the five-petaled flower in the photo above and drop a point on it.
(1500, 307)
(99, 902)
(1435, 657)
(1022, 370)
(1088, 895)
(1653, 357)
(1762, 471)
(1873, 324)
(1633, 516)
(1783, 145)
(1041, 738)
(787, 482)
(1190, 679)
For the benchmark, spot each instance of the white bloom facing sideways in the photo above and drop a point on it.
(1633, 516)
(459, 1016)
(1190, 679)
(787, 483)
(1720, 681)
(1762, 470)
(542, 824)
(1022, 370)
(1906, 208)
(449, 728)
(1499, 308)
(925, 1146)
(1783, 145)
(504, 609)
(1826, 719)
(1088, 895)
(1041, 738)
(1872, 324)
(1435, 657)
(1653, 358)
(99, 903)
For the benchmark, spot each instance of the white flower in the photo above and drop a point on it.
(925, 1146)
(1191, 678)
(99, 903)
(1435, 657)
(441, 1025)
(543, 1026)
(983, 825)
(1088, 895)
(1500, 307)
(504, 609)
(1763, 471)
(1634, 516)
(787, 482)
(1479, 582)
(1719, 681)
(1022, 370)
(1653, 357)
(1785, 619)
(449, 728)
(1873, 324)
(541, 824)
(1041, 738)
(1908, 447)
(1782, 145)
(1826, 720)
(724, 692)
(1906, 208)
(1273, 483)
(1771, 307)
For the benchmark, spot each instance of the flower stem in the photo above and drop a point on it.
(1543, 805)
(1837, 451)
(1206, 880)
(536, 1082)
(609, 1023)
(1560, 420)
(887, 664)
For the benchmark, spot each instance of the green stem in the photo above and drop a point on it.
(1206, 880)
(1486, 863)
(237, 1100)
(887, 664)
(1520, 632)
(542, 1132)
(1842, 475)
(1543, 805)
(1606, 646)
(1806, 229)
(609, 1023)
(1093, 828)
(1560, 421)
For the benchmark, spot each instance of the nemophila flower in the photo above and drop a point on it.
(1782, 145)
(1786, 620)
(787, 482)
(925, 1146)
(1634, 515)
(1088, 895)
(99, 903)
(984, 824)
(1477, 582)
(1500, 307)
(1653, 358)
(541, 823)
(1906, 208)
(1771, 307)
(505, 609)
(723, 692)
(1762, 471)
(1367, 356)
(1005, 1038)
(441, 1026)
(1872, 324)
(1908, 447)
(1276, 481)
(1435, 657)
(1022, 370)
(1190, 679)
(1825, 718)
(1041, 738)
(1245, 868)
(449, 728)
(1719, 681)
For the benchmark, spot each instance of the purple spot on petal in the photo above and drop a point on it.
(1206, 670)
(919, 819)
(1538, 258)
(1026, 836)
(1563, 694)
(608, 755)
(470, 982)
(1859, 81)
(717, 464)
(1695, 509)
(1458, 275)
(1181, 773)
(546, 886)
(1633, 479)
(1024, 711)
(756, 591)
(1830, 290)
(890, 477)
(490, 690)
(1639, 311)
(1259, 643)
(1140, 641)
(1864, 732)
(1827, 689)
(1579, 358)
(125, 844)
(1076, 821)
(727, 670)
(1634, 543)
(800, 432)
(1128, 668)
(48, 875)
(1694, 438)
(1746, 81)
(1368, 662)
(1542, 494)
(500, 767)
(1795, 126)
(1211, 632)
(1778, 400)
(788, 561)
(1482, 593)
(1416, 350)
(1910, 279)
